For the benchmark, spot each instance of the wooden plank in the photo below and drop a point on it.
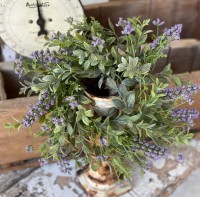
(114, 10)
(181, 54)
(171, 11)
(2, 90)
(161, 63)
(20, 165)
(10, 78)
(196, 58)
(197, 29)
(11, 178)
(177, 11)
(13, 146)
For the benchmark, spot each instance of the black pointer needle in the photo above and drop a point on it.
(41, 22)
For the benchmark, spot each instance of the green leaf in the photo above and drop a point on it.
(135, 117)
(123, 119)
(86, 120)
(118, 140)
(111, 112)
(87, 64)
(102, 68)
(145, 68)
(41, 119)
(49, 78)
(54, 148)
(116, 132)
(17, 125)
(89, 113)
(122, 90)
(167, 70)
(111, 25)
(58, 70)
(130, 99)
(94, 167)
(62, 140)
(56, 86)
(78, 53)
(121, 67)
(124, 61)
(114, 52)
(129, 82)
(58, 129)
(65, 75)
(177, 80)
(111, 84)
(151, 116)
(39, 86)
(133, 61)
(88, 47)
(70, 130)
(85, 100)
(100, 82)
(118, 103)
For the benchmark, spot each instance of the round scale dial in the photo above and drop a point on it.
(23, 24)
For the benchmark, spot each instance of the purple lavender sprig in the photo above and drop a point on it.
(47, 56)
(158, 22)
(58, 121)
(72, 102)
(64, 165)
(39, 109)
(148, 148)
(155, 43)
(186, 92)
(173, 33)
(98, 41)
(185, 115)
(126, 25)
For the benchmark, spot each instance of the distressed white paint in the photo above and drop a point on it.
(87, 2)
(44, 181)
(148, 184)
(159, 164)
(179, 170)
(196, 144)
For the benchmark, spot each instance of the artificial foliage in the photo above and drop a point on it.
(147, 118)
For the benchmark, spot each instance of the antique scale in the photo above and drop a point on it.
(24, 23)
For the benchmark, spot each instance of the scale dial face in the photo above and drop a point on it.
(21, 21)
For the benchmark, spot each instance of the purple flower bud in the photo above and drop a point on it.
(43, 162)
(180, 158)
(97, 41)
(158, 22)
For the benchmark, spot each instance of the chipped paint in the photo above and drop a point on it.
(148, 184)
(179, 170)
(160, 163)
